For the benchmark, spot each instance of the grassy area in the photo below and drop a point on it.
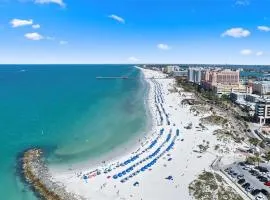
(214, 119)
(209, 186)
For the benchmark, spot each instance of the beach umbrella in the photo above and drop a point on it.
(169, 178)
(136, 184)
(115, 177)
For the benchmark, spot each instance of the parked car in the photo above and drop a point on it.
(249, 189)
(227, 169)
(241, 164)
(246, 185)
(255, 192)
(254, 173)
(234, 174)
(259, 197)
(265, 192)
(262, 169)
(263, 179)
(241, 181)
(267, 183)
(240, 176)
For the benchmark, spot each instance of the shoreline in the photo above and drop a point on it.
(167, 159)
(76, 177)
(123, 149)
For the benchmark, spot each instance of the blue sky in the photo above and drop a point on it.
(135, 31)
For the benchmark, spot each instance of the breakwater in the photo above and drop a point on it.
(36, 174)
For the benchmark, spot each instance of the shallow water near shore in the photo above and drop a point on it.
(67, 111)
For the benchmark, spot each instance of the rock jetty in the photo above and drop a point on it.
(36, 174)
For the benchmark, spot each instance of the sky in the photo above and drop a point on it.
(135, 31)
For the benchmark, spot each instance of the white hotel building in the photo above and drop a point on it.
(262, 110)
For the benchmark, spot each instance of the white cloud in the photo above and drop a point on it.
(236, 33)
(117, 18)
(21, 22)
(59, 2)
(264, 28)
(133, 59)
(163, 46)
(33, 36)
(242, 2)
(36, 26)
(259, 53)
(63, 42)
(246, 52)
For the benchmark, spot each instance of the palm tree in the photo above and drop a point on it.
(267, 156)
(257, 158)
(250, 160)
(254, 141)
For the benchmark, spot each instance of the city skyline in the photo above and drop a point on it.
(189, 32)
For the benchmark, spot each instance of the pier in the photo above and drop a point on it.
(126, 77)
(113, 77)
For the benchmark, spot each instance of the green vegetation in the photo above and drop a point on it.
(209, 186)
(267, 156)
(222, 102)
(262, 144)
(254, 159)
(214, 119)
(257, 158)
(254, 141)
(251, 160)
(216, 147)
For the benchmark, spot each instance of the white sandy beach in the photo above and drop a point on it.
(180, 162)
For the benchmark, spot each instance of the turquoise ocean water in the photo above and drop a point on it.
(68, 112)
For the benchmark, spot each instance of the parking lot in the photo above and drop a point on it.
(251, 179)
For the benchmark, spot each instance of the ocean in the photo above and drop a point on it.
(69, 113)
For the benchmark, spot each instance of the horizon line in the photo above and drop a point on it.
(1, 64)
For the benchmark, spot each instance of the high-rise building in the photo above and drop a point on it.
(226, 76)
(262, 110)
(222, 81)
(261, 87)
(171, 68)
(195, 75)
